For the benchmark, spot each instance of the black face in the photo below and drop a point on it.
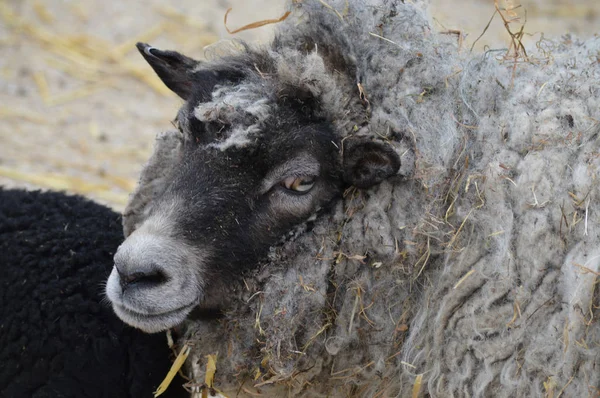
(256, 156)
(240, 201)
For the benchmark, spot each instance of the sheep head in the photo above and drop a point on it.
(259, 151)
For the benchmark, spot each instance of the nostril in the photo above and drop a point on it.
(136, 276)
(149, 279)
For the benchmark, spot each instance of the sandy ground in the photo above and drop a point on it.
(79, 109)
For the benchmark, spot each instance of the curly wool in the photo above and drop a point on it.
(474, 270)
(57, 336)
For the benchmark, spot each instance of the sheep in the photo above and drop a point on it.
(58, 336)
(368, 210)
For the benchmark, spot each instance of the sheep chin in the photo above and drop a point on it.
(153, 323)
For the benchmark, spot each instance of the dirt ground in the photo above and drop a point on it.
(79, 109)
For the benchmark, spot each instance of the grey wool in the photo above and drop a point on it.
(473, 272)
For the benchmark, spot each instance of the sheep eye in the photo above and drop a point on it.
(299, 184)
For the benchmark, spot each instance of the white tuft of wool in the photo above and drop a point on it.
(476, 269)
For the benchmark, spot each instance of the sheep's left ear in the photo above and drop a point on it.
(367, 163)
(173, 68)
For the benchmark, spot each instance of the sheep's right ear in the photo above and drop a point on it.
(367, 163)
(174, 69)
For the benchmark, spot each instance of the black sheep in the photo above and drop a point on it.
(58, 336)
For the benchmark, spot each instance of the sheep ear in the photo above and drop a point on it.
(173, 68)
(367, 163)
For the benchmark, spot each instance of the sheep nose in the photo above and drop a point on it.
(148, 279)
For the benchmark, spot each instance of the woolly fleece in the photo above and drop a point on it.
(58, 337)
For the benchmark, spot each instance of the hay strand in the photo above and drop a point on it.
(253, 25)
(211, 368)
(209, 378)
(417, 386)
(484, 30)
(461, 280)
(179, 361)
(332, 9)
(382, 38)
(42, 85)
(30, 116)
(42, 12)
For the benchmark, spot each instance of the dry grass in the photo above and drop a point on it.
(177, 364)
(93, 67)
(253, 25)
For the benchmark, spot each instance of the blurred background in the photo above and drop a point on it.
(79, 108)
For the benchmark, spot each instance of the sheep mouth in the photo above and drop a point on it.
(153, 323)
